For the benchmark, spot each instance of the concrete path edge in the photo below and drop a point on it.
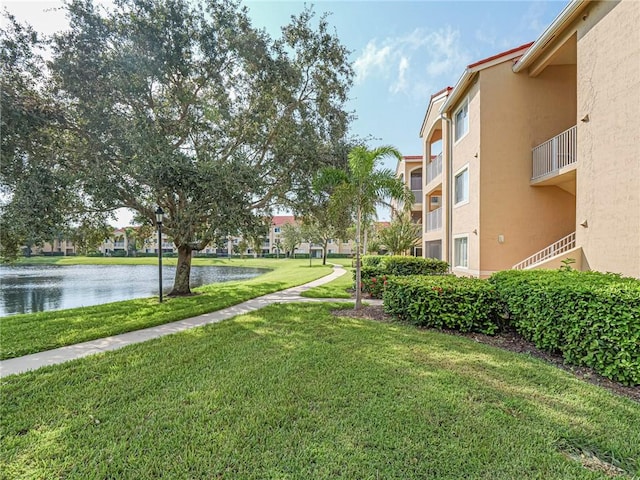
(56, 356)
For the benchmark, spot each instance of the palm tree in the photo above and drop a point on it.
(401, 235)
(363, 188)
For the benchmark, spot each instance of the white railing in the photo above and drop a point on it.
(434, 168)
(555, 153)
(434, 219)
(417, 196)
(563, 245)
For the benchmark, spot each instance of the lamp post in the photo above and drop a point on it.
(159, 215)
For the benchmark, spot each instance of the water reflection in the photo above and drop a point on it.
(26, 289)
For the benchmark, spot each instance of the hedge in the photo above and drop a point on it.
(376, 268)
(591, 318)
(465, 304)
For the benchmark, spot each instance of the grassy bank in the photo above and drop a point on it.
(292, 392)
(36, 332)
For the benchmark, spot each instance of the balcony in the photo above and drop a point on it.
(434, 220)
(434, 168)
(417, 196)
(555, 155)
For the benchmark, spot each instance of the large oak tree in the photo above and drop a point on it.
(187, 106)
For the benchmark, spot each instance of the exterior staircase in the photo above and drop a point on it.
(558, 248)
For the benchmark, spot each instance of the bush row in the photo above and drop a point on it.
(591, 318)
(465, 304)
(376, 269)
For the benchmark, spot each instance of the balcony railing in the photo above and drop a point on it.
(555, 154)
(417, 196)
(563, 245)
(434, 168)
(434, 220)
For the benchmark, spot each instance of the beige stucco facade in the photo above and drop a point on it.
(550, 156)
(608, 196)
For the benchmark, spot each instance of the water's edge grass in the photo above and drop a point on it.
(35, 332)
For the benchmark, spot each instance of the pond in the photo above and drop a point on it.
(26, 289)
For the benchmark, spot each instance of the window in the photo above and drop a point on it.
(276, 230)
(462, 121)
(460, 252)
(461, 186)
(434, 249)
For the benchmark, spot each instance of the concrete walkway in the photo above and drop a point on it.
(79, 350)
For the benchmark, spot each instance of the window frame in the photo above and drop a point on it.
(464, 105)
(460, 171)
(456, 253)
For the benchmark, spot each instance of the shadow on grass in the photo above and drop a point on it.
(292, 391)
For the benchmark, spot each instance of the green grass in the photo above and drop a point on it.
(291, 392)
(334, 289)
(36, 332)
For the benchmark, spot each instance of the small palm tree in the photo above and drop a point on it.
(401, 236)
(363, 188)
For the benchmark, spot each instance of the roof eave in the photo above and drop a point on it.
(567, 15)
(474, 68)
(435, 98)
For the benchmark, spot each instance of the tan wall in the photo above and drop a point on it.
(518, 113)
(433, 131)
(466, 216)
(608, 184)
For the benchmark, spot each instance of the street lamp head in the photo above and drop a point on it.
(159, 215)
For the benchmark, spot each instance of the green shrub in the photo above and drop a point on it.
(371, 260)
(403, 266)
(377, 267)
(591, 318)
(374, 285)
(465, 304)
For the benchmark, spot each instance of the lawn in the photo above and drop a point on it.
(36, 332)
(334, 289)
(292, 392)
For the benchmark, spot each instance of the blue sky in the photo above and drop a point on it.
(405, 51)
(402, 52)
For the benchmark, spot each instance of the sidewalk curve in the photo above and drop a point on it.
(64, 354)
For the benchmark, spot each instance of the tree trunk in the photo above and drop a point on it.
(358, 272)
(324, 252)
(364, 243)
(183, 272)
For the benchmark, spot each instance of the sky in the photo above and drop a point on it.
(402, 51)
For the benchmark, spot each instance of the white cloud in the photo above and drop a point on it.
(413, 64)
(372, 59)
(401, 83)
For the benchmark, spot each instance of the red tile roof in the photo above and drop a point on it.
(445, 89)
(278, 220)
(498, 55)
(412, 157)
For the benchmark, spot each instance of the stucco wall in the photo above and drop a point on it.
(608, 175)
(519, 112)
(466, 215)
(432, 131)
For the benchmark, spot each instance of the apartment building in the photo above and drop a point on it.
(410, 170)
(335, 246)
(534, 156)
